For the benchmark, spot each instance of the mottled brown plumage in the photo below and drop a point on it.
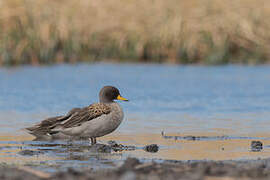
(86, 114)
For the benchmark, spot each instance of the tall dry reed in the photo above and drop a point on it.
(172, 31)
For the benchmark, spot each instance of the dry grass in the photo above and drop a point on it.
(172, 31)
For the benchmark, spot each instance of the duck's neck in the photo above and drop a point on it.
(103, 100)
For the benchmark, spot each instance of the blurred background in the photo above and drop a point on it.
(196, 68)
(173, 31)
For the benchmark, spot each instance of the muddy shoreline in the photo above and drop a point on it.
(133, 169)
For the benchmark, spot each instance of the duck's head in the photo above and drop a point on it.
(109, 94)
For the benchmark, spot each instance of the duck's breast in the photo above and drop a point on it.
(102, 125)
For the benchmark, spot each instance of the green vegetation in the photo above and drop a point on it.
(173, 31)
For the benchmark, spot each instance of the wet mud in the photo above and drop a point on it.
(111, 146)
(211, 138)
(111, 160)
(255, 146)
(133, 169)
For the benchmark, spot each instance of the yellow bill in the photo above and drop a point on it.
(121, 98)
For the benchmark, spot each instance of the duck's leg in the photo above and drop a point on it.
(93, 140)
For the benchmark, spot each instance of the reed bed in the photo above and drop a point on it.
(172, 31)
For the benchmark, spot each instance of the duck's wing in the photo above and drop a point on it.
(45, 126)
(85, 114)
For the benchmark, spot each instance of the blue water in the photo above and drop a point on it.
(162, 97)
(231, 103)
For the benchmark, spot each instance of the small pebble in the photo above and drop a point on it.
(29, 153)
(256, 146)
(151, 148)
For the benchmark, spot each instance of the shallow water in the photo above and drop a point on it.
(213, 102)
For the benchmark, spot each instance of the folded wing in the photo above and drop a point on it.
(85, 114)
(45, 126)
